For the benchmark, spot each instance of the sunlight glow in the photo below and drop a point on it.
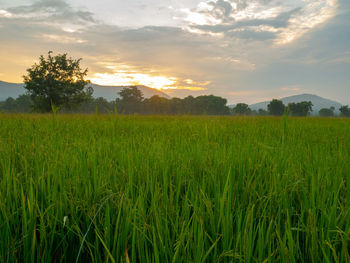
(123, 78)
(316, 15)
(198, 17)
(190, 88)
(4, 13)
(157, 82)
(69, 29)
(62, 39)
(121, 74)
(311, 14)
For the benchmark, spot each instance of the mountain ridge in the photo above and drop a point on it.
(8, 89)
(110, 93)
(317, 101)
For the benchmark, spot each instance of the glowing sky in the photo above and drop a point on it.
(243, 50)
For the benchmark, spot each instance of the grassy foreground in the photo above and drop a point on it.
(174, 189)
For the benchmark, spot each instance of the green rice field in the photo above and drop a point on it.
(77, 188)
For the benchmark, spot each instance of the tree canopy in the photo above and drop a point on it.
(300, 109)
(326, 112)
(241, 109)
(262, 112)
(276, 107)
(345, 111)
(22, 103)
(57, 80)
(131, 101)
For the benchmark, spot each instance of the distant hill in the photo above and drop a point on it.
(111, 92)
(317, 101)
(10, 90)
(108, 92)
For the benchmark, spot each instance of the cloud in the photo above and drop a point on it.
(54, 12)
(239, 61)
(281, 21)
(291, 88)
(62, 39)
(122, 74)
(220, 10)
(260, 19)
(4, 13)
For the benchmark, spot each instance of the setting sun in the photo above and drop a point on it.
(174, 131)
(125, 78)
(121, 78)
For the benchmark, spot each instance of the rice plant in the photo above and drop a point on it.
(120, 188)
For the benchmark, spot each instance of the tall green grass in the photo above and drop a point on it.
(174, 189)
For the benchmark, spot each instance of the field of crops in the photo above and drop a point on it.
(174, 189)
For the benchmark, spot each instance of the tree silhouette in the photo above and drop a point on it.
(276, 107)
(157, 105)
(23, 103)
(326, 112)
(210, 105)
(241, 109)
(262, 112)
(345, 111)
(130, 100)
(300, 108)
(57, 80)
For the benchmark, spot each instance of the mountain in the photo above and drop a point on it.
(111, 92)
(108, 92)
(10, 90)
(317, 101)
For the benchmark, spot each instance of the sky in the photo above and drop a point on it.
(244, 50)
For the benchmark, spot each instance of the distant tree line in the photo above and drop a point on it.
(297, 109)
(22, 104)
(56, 83)
(131, 101)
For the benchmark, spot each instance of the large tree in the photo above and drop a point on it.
(276, 107)
(156, 105)
(345, 111)
(241, 109)
(326, 112)
(300, 108)
(130, 100)
(210, 105)
(57, 81)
